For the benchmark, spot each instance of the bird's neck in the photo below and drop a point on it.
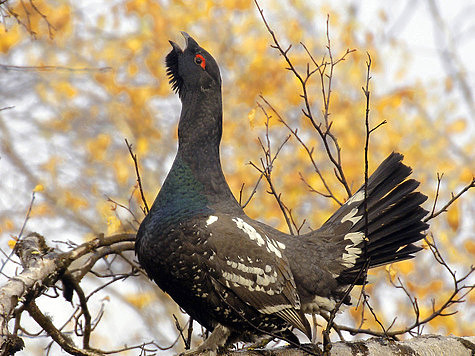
(199, 137)
(201, 124)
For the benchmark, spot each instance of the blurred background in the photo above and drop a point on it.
(78, 78)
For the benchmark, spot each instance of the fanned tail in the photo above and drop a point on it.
(394, 220)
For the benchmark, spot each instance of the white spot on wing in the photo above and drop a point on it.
(244, 268)
(249, 230)
(265, 280)
(272, 247)
(240, 280)
(211, 219)
(274, 308)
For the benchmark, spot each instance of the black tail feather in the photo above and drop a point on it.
(398, 197)
(394, 220)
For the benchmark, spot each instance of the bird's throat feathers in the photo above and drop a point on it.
(201, 122)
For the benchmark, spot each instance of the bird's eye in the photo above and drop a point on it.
(200, 60)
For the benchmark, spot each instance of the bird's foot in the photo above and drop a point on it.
(260, 344)
(196, 352)
(213, 344)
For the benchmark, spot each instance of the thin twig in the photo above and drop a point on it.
(137, 172)
(180, 330)
(307, 111)
(64, 341)
(267, 165)
(450, 202)
(6, 67)
(307, 149)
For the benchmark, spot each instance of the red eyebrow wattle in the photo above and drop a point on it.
(203, 61)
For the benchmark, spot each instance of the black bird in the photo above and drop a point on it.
(236, 276)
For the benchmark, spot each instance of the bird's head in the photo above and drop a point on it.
(192, 69)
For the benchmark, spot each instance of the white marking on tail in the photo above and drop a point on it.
(359, 196)
(355, 237)
(349, 260)
(351, 216)
(355, 251)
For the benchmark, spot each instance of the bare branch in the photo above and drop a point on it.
(65, 342)
(434, 213)
(43, 267)
(325, 134)
(139, 180)
(309, 151)
(267, 165)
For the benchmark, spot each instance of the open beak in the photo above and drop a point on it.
(176, 47)
(186, 37)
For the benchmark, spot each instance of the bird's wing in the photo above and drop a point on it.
(253, 265)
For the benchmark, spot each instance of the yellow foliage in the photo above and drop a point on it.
(140, 6)
(122, 169)
(404, 267)
(236, 4)
(140, 300)
(105, 209)
(251, 117)
(131, 105)
(470, 246)
(98, 146)
(74, 202)
(6, 225)
(453, 216)
(64, 89)
(39, 188)
(457, 126)
(12, 242)
(51, 166)
(44, 20)
(113, 224)
(134, 44)
(60, 18)
(391, 271)
(449, 84)
(132, 69)
(101, 21)
(8, 38)
(466, 174)
(142, 146)
(41, 209)
(294, 31)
